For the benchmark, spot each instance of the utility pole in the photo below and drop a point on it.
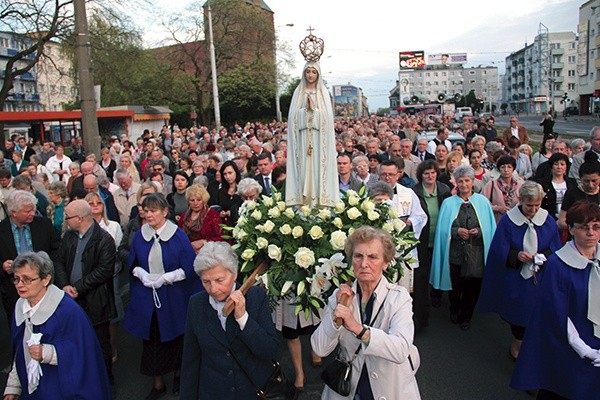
(89, 120)
(213, 66)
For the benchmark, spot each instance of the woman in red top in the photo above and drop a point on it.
(200, 222)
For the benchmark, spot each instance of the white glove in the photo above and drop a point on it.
(174, 276)
(594, 355)
(34, 369)
(142, 275)
(157, 283)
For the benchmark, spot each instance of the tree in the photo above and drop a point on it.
(286, 96)
(34, 23)
(243, 35)
(246, 91)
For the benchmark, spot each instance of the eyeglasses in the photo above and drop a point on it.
(388, 175)
(94, 203)
(586, 227)
(71, 217)
(25, 280)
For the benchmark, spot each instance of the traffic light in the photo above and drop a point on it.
(565, 99)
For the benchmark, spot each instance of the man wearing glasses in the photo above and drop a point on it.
(22, 232)
(515, 130)
(158, 167)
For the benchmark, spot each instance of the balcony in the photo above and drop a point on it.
(558, 79)
(597, 63)
(557, 52)
(558, 65)
(597, 42)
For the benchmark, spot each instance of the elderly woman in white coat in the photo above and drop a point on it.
(378, 322)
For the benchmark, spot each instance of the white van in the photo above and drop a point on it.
(462, 112)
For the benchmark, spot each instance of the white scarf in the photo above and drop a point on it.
(530, 240)
(155, 259)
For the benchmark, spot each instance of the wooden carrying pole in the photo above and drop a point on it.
(230, 305)
(344, 300)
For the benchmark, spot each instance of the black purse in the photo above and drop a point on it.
(277, 387)
(338, 374)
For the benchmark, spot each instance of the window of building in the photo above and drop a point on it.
(571, 72)
(52, 89)
(572, 45)
(557, 86)
(73, 91)
(471, 72)
(472, 81)
(443, 74)
(428, 74)
(571, 86)
(63, 90)
(435, 74)
(571, 59)
(436, 83)
(41, 87)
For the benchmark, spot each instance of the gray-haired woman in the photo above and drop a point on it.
(213, 343)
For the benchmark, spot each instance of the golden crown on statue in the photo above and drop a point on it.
(312, 47)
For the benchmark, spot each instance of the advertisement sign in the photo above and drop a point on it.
(346, 100)
(412, 59)
(446, 58)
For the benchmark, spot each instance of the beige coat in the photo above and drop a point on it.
(391, 358)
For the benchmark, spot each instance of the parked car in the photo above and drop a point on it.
(571, 110)
(462, 112)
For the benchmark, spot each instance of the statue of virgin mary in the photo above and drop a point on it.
(312, 177)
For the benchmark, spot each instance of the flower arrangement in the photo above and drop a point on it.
(305, 246)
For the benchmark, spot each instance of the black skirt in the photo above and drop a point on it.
(160, 358)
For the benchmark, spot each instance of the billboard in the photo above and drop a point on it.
(446, 58)
(412, 59)
(347, 101)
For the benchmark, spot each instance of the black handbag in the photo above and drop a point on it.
(338, 374)
(277, 387)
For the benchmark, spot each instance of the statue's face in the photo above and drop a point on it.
(311, 75)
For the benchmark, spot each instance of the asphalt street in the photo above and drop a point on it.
(575, 126)
(455, 364)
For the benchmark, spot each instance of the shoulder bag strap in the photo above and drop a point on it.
(258, 390)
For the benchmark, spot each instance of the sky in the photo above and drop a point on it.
(363, 38)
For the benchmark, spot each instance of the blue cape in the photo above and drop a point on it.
(504, 290)
(80, 373)
(546, 360)
(440, 263)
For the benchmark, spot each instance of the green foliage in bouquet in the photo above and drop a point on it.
(304, 246)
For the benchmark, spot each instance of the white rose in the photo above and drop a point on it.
(353, 213)
(242, 235)
(263, 279)
(260, 228)
(306, 210)
(256, 214)
(274, 252)
(304, 257)
(337, 240)
(373, 215)
(269, 226)
(297, 232)
(368, 205)
(277, 197)
(242, 220)
(351, 193)
(324, 213)
(316, 232)
(289, 212)
(281, 205)
(248, 254)
(274, 212)
(267, 201)
(339, 207)
(350, 231)
(393, 213)
(353, 200)
(261, 242)
(337, 222)
(285, 229)
(250, 205)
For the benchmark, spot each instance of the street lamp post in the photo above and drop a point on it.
(213, 66)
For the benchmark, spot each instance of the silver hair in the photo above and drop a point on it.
(464, 170)
(478, 138)
(380, 187)
(39, 261)
(594, 130)
(577, 142)
(246, 185)
(359, 159)
(17, 199)
(122, 173)
(214, 254)
(492, 147)
(201, 180)
(532, 191)
(59, 188)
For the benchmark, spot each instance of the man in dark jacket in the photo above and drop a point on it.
(38, 234)
(84, 270)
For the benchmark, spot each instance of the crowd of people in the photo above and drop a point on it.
(497, 224)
